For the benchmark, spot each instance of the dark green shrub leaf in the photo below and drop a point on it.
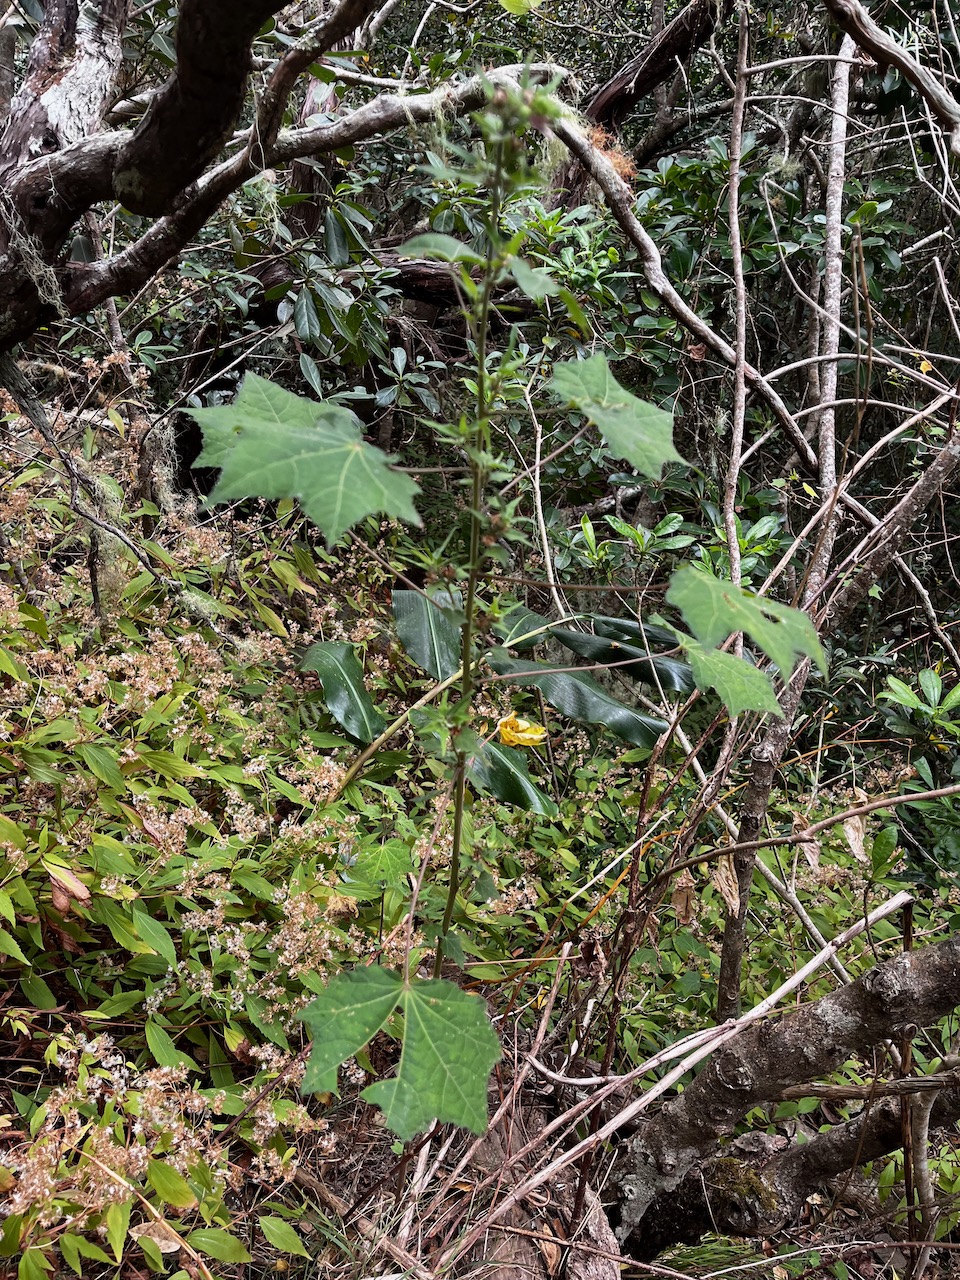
(10, 947)
(102, 763)
(342, 678)
(581, 698)
(282, 1236)
(171, 1186)
(155, 935)
(429, 629)
(667, 673)
(305, 318)
(219, 1244)
(37, 992)
(501, 771)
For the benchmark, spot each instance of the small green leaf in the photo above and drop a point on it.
(737, 682)
(103, 765)
(170, 766)
(633, 429)
(271, 443)
(884, 847)
(520, 8)
(164, 1050)
(219, 1244)
(155, 935)
(70, 1252)
(151, 1251)
(714, 610)
(10, 947)
(117, 1219)
(35, 1265)
(901, 694)
(580, 697)
(10, 833)
(282, 1236)
(521, 628)
(632, 660)
(170, 1186)
(12, 1228)
(501, 771)
(37, 992)
(428, 627)
(341, 676)
(338, 247)
(10, 666)
(347, 1015)
(441, 248)
(534, 282)
(305, 318)
(931, 685)
(311, 372)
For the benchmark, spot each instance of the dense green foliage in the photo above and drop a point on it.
(448, 652)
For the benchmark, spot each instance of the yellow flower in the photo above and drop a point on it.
(515, 732)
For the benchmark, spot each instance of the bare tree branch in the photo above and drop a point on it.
(856, 21)
(673, 46)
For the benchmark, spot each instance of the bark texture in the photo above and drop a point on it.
(672, 47)
(194, 113)
(661, 1171)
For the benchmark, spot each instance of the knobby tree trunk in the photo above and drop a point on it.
(676, 1182)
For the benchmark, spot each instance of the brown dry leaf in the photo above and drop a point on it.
(70, 945)
(811, 851)
(62, 901)
(155, 832)
(855, 829)
(65, 888)
(811, 848)
(683, 897)
(551, 1255)
(724, 879)
(161, 1233)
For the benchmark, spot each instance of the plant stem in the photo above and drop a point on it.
(479, 447)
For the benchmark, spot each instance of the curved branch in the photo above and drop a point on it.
(674, 45)
(341, 24)
(194, 114)
(856, 22)
(86, 285)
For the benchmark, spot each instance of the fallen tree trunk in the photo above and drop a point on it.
(676, 1181)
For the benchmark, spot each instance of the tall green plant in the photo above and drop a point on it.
(273, 444)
